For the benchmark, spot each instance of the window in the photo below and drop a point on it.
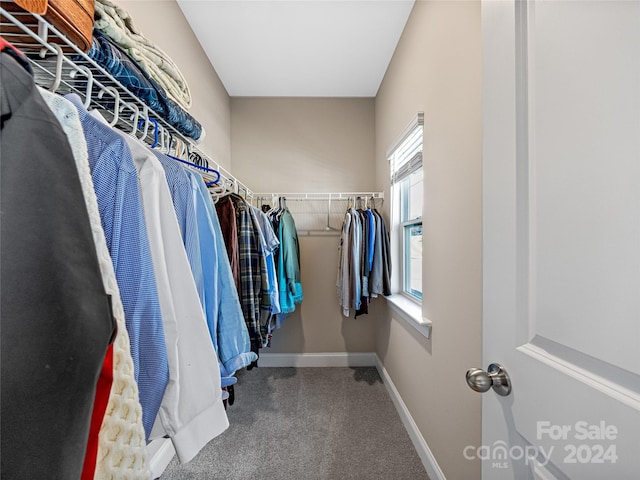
(405, 159)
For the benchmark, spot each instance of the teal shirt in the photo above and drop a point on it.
(289, 264)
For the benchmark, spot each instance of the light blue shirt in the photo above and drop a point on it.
(270, 245)
(208, 256)
(116, 185)
(182, 194)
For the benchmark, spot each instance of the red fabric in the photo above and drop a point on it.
(103, 390)
(17, 54)
(4, 44)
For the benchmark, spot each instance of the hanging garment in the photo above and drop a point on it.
(380, 281)
(270, 303)
(289, 283)
(342, 283)
(355, 258)
(371, 239)
(207, 255)
(227, 217)
(182, 196)
(117, 447)
(192, 412)
(56, 316)
(349, 282)
(252, 267)
(265, 287)
(364, 261)
(116, 184)
(364, 265)
(224, 314)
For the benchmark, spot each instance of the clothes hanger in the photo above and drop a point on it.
(195, 157)
(87, 73)
(217, 191)
(200, 168)
(116, 106)
(328, 227)
(179, 145)
(146, 120)
(135, 115)
(58, 74)
(155, 132)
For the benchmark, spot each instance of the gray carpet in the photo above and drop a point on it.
(307, 424)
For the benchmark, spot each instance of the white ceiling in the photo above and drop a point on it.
(298, 48)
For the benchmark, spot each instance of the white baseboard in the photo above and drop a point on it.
(424, 452)
(337, 359)
(160, 453)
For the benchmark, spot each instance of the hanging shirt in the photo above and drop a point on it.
(380, 278)
(227, 217)
(182, 196)
(364, 265)
(224, 315)
(343, 284)
(204, 245)
(289, 265)
(249, 265)
(120, 451)
(355, 259)
(192, 412)
(270, 244)
(116, 184)
(371, 239)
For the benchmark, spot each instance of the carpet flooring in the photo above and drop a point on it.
(307, 424)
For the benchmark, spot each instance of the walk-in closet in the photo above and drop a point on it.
(318, 239)
(197, 273)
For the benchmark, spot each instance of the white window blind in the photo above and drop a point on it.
(406, 154)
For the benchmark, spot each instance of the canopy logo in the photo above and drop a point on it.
(500, 453)
(581, 442)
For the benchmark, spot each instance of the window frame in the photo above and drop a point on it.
(401, 189)
(406, 259)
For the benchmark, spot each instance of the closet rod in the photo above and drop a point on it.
(323, 195)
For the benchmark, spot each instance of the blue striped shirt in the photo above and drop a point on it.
(182, 192)
(116, 184)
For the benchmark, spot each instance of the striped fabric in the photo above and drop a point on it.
(116, 185)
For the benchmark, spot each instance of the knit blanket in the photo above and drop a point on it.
(116, 23)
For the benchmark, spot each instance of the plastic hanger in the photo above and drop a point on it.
(58, 75)
(328, 227)
(116, 107)
(135, 115)
(88, 92)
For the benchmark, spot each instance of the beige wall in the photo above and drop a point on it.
(163, 23)
(437, 69)
(310, 145)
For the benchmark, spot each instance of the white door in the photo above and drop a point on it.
(561, 159)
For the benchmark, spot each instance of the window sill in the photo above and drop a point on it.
(410, 312)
